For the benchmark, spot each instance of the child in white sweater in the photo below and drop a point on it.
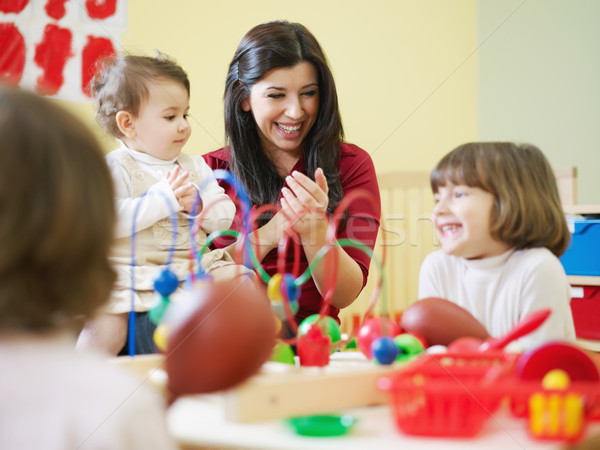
(501, 226)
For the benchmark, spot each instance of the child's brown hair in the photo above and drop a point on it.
(527, 211)
(57, 210)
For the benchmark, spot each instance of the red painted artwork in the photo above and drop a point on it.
(12, 53)
(51, 55)
(56, 8)
(13, 6)
(94, 51)
(101, 9)
(64, 59)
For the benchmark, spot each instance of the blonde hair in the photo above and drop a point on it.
(527, 211)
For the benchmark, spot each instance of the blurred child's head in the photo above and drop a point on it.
(56, 205)
(526, 210)
(144, 101)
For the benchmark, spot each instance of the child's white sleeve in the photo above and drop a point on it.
(220, 209)
(547, 286)
(151, 208)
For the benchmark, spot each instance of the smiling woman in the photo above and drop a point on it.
(285, 143)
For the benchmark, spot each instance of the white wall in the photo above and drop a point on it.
(539, 80)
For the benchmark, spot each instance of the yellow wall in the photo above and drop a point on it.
(406, 71)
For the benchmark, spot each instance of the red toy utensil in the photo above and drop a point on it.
(525, 326)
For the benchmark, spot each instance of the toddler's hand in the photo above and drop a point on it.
(185, 193)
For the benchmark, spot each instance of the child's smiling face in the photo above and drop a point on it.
(461, 219)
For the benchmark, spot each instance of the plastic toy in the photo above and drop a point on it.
(283, 353)
(555, 387)
(328, 325)
(556, 379)
(222, 332)
(384, 350)
(408, 345)
(322, 425)
(525, 326)
(372, 329)
(553, 416)
(445, 395)
(313, 347)
(535, 364)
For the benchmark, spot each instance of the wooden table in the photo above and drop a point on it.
(205, 421)
(199, 423)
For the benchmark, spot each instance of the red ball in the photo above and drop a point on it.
(220, 334)
(372, 329)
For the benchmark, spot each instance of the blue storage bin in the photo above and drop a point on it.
(583, 254)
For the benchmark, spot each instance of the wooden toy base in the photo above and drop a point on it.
(281, 390)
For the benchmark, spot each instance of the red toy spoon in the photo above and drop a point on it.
(525, 326)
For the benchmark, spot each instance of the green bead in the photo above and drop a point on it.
(283, 353)
(408, 345)
(327, 323)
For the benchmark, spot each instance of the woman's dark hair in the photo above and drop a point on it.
(265, 47)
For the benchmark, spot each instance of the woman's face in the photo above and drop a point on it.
(285, 103)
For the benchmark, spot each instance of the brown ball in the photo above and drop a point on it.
(440, 321)
(219, 335)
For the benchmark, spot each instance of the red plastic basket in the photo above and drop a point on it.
(447, 394)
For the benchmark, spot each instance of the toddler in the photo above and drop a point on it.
(144, 103)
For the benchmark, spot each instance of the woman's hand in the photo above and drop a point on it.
(304, 204)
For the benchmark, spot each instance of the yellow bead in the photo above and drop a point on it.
(556, 379)
(274, 288)
(160, 336)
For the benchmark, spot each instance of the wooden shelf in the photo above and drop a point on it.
(580, 280)
(589, 344)
(581, 209)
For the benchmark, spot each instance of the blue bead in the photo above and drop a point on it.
(384, 350)
(166, 283)
(292, 290)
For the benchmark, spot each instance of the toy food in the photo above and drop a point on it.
(440, 321)
(220, 334)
